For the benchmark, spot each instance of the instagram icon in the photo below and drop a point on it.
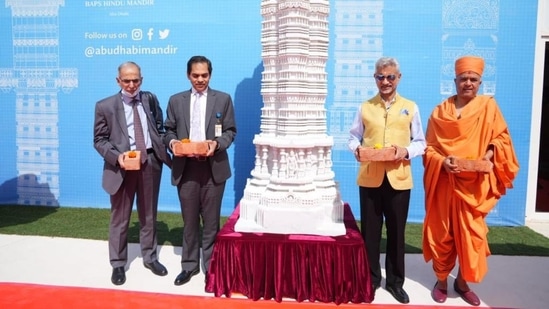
(137, 34)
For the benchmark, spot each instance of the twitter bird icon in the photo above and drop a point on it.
(163, 34)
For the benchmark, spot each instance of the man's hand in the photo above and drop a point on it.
(121, 161)
(357, 153)
(449, 165)
(491, 163)
(172, 147)
(401, 153)
(172, 142)
(212, 146)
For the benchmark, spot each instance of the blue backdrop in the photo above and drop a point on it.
(83, 42)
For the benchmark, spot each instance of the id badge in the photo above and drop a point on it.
(218, 126)
(218, 129)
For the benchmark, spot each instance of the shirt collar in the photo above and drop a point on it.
(127, 99)
(204, 93)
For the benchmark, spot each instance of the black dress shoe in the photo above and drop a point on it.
(399, 294)
(185, 276)
(118, 276)
(157, 268)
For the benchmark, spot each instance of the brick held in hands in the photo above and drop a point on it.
(373, 154)
(190, 149)
(466, 165)
(132, 160)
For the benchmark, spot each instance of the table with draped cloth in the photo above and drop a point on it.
(301, 267)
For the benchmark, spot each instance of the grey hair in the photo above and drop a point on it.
(129, 63)
(385, 62)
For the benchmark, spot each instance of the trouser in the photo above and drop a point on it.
(376, 206)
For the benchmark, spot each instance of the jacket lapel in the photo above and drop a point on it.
(186, 106)
(121, 116)
(210, 102)
(145, 99)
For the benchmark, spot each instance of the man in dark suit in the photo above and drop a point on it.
(200, 180)
(115, 134)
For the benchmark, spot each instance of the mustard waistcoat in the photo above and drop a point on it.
(386, 127)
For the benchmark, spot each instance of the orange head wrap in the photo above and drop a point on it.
(469, 64)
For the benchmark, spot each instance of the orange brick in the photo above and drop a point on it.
(466, 165)
(372, 154)
(190, 149)
(132, 164)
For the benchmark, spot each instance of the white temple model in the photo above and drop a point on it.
(292, 188)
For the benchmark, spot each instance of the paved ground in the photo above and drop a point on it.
(512, 281)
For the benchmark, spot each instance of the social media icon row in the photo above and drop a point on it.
(137, 34)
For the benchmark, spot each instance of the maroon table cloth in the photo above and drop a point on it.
(302, 267)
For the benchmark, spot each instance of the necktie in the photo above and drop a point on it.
(197, 131)
(138, 132)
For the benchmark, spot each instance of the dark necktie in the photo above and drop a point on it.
(138, 132)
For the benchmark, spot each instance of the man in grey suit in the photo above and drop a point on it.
(200, 180)
(116, 134)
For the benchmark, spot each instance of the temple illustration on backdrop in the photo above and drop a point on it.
(292, 188)
(36, 78)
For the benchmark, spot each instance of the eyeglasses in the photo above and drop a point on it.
(128, 81)
(390, 78)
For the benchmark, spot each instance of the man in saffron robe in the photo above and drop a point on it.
(466, 126)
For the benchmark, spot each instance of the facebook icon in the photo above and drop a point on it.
(150, 33)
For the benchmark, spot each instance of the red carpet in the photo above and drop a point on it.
(32, 296)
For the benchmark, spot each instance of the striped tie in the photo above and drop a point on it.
(138, 132)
